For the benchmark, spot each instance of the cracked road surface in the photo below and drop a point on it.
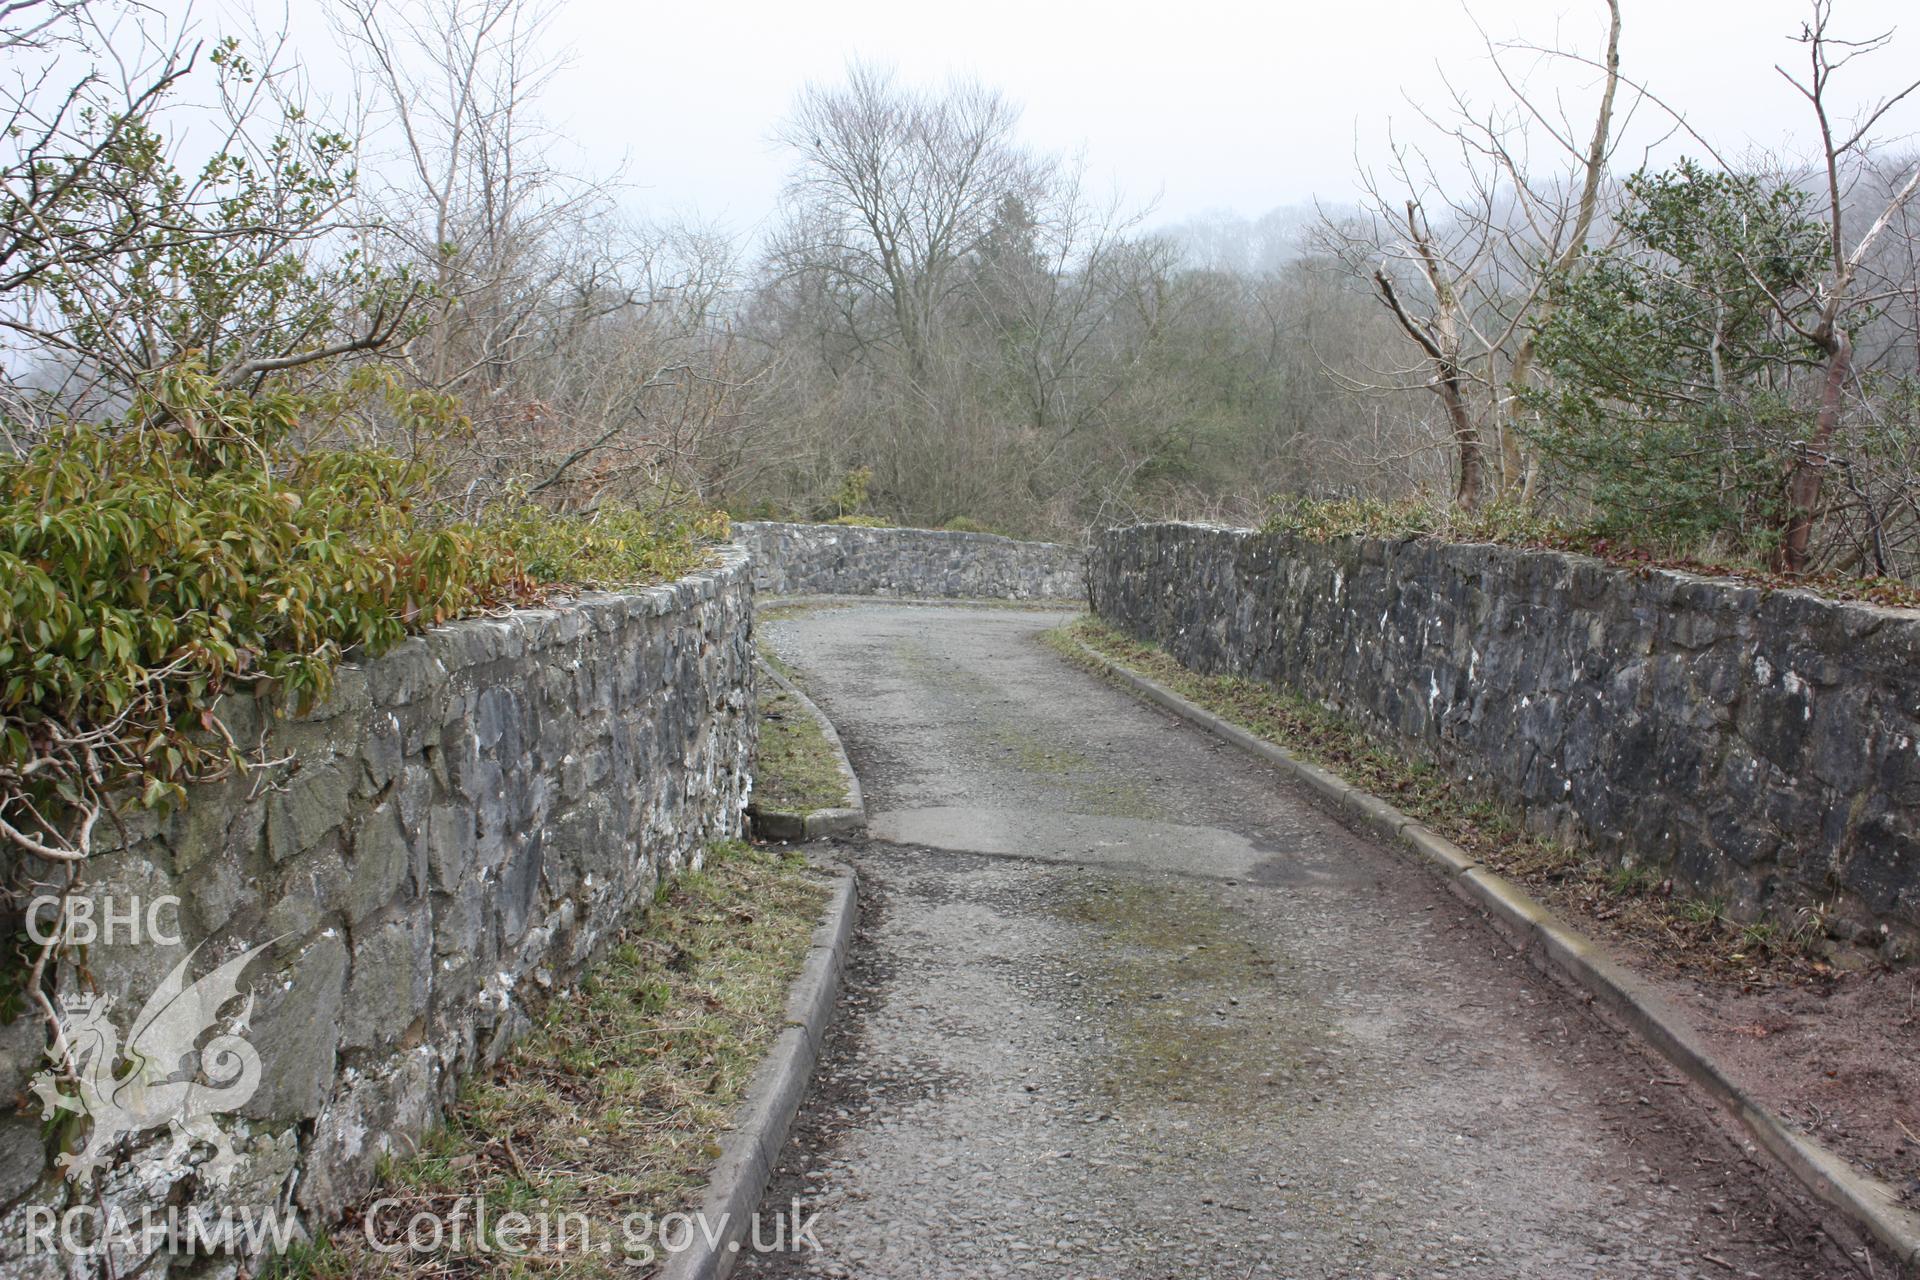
(1124, 1004)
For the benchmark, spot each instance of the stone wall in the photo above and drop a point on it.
(467, 820)
(830, 559)
(1763, 747)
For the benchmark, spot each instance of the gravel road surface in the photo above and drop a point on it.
(1124, 1004)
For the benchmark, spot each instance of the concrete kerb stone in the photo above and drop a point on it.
(748, 1152)
(1559, 951)
(822, 968)
(1513, 913)
(833, 822)
(1443, 856)
(1375, 814)
(849, 819)
(1864, 1200)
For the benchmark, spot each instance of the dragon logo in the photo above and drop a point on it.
(152, 1082)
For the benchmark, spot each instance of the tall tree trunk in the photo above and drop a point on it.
(1593, 171)
(1466, 440)
(1809, 468)
(1440, 340)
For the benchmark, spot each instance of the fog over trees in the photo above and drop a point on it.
(945, 326)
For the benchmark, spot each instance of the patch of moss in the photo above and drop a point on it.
(1170, 964)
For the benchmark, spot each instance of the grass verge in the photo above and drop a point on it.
(797, 769)
(1629, 904)
(610, 1112)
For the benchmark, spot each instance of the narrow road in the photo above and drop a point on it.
(1126, 1005)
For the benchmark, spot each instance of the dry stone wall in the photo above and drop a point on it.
(1761, 746)
(467, 820)
(828, 559)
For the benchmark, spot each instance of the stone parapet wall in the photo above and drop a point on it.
(461, 827)
(1763, 747)
(828, 559)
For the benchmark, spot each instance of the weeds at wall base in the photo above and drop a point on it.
(614, 1104)
(795, 769)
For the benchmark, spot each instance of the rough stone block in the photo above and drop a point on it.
(387, 983)
(382, 858)
(296, 1028)
(309, 806)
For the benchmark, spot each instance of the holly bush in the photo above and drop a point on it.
(1676, 394)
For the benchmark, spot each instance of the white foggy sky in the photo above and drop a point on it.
(1202, 105)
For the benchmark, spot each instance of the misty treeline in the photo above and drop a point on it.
(1524, 312)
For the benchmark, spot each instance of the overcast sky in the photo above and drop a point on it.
(1200, 105)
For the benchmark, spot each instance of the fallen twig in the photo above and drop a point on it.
(514, 1157)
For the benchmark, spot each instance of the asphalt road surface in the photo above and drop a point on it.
(1125, 1004)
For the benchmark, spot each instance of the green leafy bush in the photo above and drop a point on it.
(849, 503)
(610, 547)
(149, 566)
(1674, 402)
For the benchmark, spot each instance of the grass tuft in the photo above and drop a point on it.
(796, 769)
(613, 1106)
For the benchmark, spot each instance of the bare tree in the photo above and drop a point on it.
(1466, 267)
(581, 347)
(1827, 330)
(477, 207)
(119, 257)
(893, 190)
